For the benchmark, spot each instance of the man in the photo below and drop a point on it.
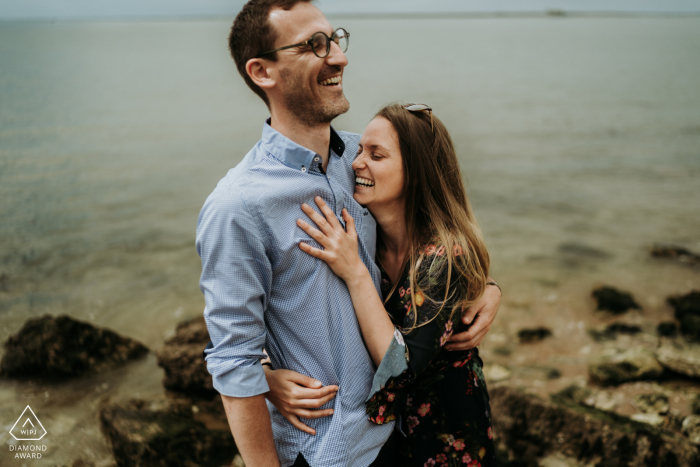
(261, 290)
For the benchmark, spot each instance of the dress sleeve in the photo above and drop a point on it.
(438, 316)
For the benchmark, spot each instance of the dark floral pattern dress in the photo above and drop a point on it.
(438, 397)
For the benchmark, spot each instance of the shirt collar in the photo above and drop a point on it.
(292, 154)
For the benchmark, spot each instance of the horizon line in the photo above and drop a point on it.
(551, 13)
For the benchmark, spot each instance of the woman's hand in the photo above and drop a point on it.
(296, 395)
(339, 245)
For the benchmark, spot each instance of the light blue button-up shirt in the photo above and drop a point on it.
(262, 291)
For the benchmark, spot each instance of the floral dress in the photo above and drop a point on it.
(437, 397)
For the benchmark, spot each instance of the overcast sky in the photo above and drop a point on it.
(100, 8)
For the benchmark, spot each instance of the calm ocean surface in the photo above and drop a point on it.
(580, 139)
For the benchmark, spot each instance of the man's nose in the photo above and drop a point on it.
(336, 57)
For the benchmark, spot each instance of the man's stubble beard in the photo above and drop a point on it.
(305, 106)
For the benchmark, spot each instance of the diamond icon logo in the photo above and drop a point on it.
(28, 427)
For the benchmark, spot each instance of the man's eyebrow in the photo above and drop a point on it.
(309, 35)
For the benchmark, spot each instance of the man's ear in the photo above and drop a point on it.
(259, 71)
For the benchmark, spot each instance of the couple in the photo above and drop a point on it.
(355, 263)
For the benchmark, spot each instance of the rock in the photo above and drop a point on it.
(687, 311)
(504, 351)
(667, 329)
(61, 347)
(77, 463)
(533, 335)
(680, 356)
(686, 304)
(574, 393)
(667, 250)
(653, 419)
(143, 435)
(691, 428)
(690, 327)
(611, 331)
(181, 358)
(613, 300)
(584, 251)
(82, 463)
(655, 403)
(695, 404)
(605, 400)
(632, 365)
(495, 373)
(528, 429)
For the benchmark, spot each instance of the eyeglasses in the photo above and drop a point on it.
(320, 43)
(421, 108)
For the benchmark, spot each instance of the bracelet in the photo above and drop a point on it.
(267, 364)
(494, 283)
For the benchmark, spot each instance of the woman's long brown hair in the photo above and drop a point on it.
(437, 207)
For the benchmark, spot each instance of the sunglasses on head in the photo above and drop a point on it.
(421, 108)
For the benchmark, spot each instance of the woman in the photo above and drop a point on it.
(433, 264)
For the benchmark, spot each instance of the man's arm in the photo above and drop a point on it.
(236, 281)
(251, 428)
(481, 315)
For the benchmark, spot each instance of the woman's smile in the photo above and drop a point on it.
(379, 167)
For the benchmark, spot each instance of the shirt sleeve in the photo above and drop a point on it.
(438, 316)
(235, 281)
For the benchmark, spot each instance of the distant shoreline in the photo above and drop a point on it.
(555, 14)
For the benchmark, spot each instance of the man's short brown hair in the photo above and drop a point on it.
(252, 34)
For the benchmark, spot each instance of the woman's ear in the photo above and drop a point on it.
(259, 71)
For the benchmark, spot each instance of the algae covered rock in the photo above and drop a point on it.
(528, 428)
(143, 434)
(613, 300)
(677, 252)
(695, 404)
(687, 311)
(632, 365)
(667, 329)
(533, 335)
(181, 358)
(61, 347)
(610, 331)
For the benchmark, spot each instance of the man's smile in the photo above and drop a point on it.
(331, 81)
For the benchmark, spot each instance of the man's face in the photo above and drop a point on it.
(309, 87)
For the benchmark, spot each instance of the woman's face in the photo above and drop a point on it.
(379, 167)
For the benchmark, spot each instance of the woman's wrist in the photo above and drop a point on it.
(357, 276)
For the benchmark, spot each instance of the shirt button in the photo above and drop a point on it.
(303, 169)
(316, 159)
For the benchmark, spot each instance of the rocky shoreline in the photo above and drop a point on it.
(627, 411)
